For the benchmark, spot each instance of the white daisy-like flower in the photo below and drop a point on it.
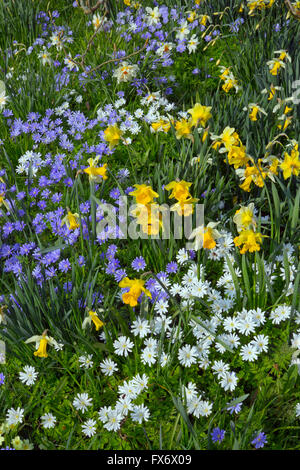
(140, 413)
(249, 353)
(220, 368)
(82, 401)
(86, 361)
(161, 306)
(230, 324)
(140, 383)
(14, 416)
(190, 391)
(281, 313)
(29, 376)
(148, 356)
(175, 289)
(229, 381)
(114, 419)
(123, 346)
(103, 413)
(140, 327)
(182, 256)
(164, 359)
(246, 325)
(108, 367)
(124, 405)
(260, 342)
(128, 389)
(89, 427)
(187, 355)
(205, 408)
(48, 420)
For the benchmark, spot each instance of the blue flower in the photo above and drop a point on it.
(2, 378)
(138, 264)
(235, 408)
(260, 440)
(217, 435)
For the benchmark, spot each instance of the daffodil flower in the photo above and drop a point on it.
(205, 236)
(93, 317)
(254, 110)
(136, 287)
(291, 164)
(71, 220)
(200, 114)
(41, 342)
(96, 173)
(183, 129)
(244, 218)
(112, 135)
(184, 206)
(3, 202)
(143, 194)
(249, 240)
(180, 189)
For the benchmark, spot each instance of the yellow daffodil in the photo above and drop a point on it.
(112, 135)
(184, 206)
(249, 240)
(244, 218)
(291, 164)
(287, 121)
(254, 110)
(225, 72)
(192, 16)
(204, 19)
(253, 113)
(42, 349)
(254, 174)
(275, 65)
(3, 202)
(287, 110)
(143, 194)
(149, 217)
(180, 189)
(96, 173)
(283, 55)
(237, 156)
(93, 317)
(274, 166)
(200, 114)
(228, 138)
(96, 320)
(183, 129)
(272, 93)
(228, 85)
(205, 236)
(205, 134)
(160, 126)
(71, 220)
(136, 287)
(229, 80)
(41, 343)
